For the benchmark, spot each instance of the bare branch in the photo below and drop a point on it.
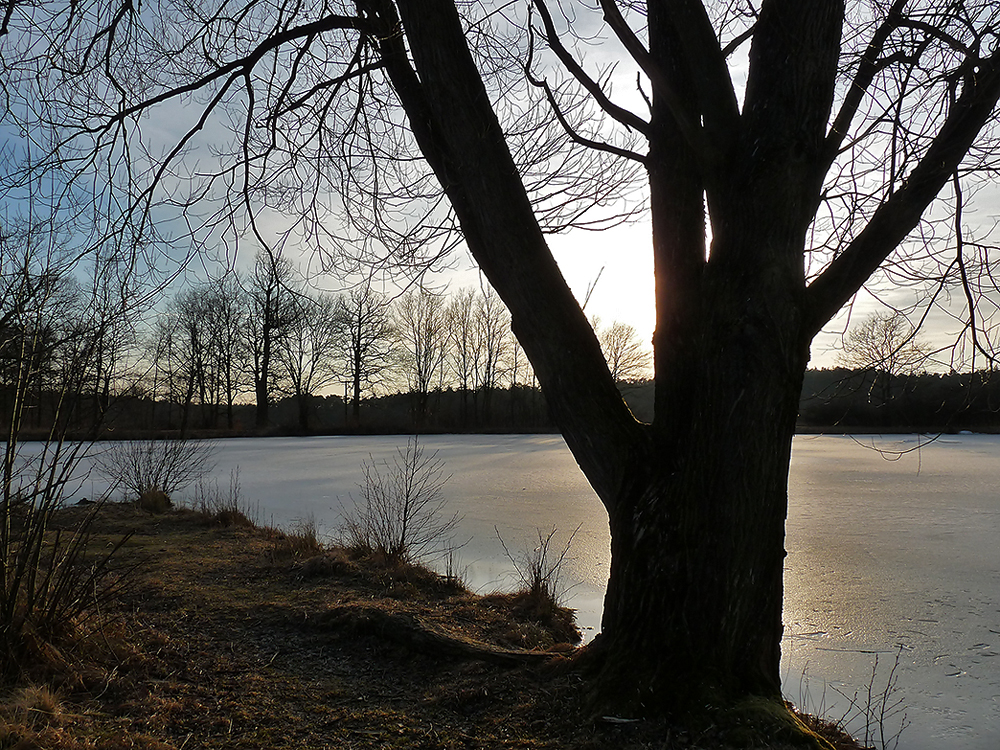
(622, 115)
(858, 87)
(688, 122)
(580, 139)
(896, 217)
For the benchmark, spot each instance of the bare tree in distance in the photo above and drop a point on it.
(627, 358)
(792, 151)
(310, 349)
(271, 292)
(363, 314)
(463, 350)
(420, 321)
(228, 314)
(190, 327)
(491, 326)
(885, 344)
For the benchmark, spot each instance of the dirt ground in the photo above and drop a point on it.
(229, 636)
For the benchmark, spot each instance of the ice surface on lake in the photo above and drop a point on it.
(892, 552)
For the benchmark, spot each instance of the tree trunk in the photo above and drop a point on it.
(694, 602)
(356, 398)
(262, 415)
(303, 399)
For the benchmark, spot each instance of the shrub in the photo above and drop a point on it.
(50, 584)
(401, 515)
(539, 569)
(155, 501)
(141, 466)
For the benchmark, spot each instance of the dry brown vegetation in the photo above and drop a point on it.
(231, 636)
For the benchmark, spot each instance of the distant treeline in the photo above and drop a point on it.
(836, 400)
(853, 400)
(260, 352)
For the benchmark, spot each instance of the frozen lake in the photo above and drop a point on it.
(888, 553)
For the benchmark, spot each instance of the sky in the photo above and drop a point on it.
(618, 262)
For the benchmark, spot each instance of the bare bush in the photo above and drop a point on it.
(402, 514)
(539, 569)
(876, 714)
(146, 467)
(51, 583)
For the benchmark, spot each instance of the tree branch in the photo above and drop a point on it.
(688, 121)
(622, 115)
(451, 116)
(235, 67)
(542, 84)
(710, 77)
(735, 43)
(902, 210)
(858, 87)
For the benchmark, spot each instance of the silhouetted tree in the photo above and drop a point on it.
(492, 343)
(271, 308)
(367, 341)
(420, 321)
(310, 347)
(806, 141)
(886, 345)
(463, 349)
(229, 321)
(627, 358)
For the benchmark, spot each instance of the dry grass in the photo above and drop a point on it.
(223, 643)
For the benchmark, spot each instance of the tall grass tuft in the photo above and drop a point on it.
(218, 508)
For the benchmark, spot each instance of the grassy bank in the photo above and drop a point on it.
(232, 636)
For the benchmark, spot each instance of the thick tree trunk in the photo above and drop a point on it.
(694, 602)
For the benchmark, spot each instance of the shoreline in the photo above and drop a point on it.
(236, 636)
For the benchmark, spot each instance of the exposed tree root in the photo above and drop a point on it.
(405, 629)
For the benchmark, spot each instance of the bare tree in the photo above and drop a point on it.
(228, 318)
(47, 350)
(792, 150)
(885, 344)
(309, 350)
(463, 349)
(271, 300)
(421, 324)
(367, 341)
(627, 358)
(192, 326)
(480, 346)
(492, 342)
